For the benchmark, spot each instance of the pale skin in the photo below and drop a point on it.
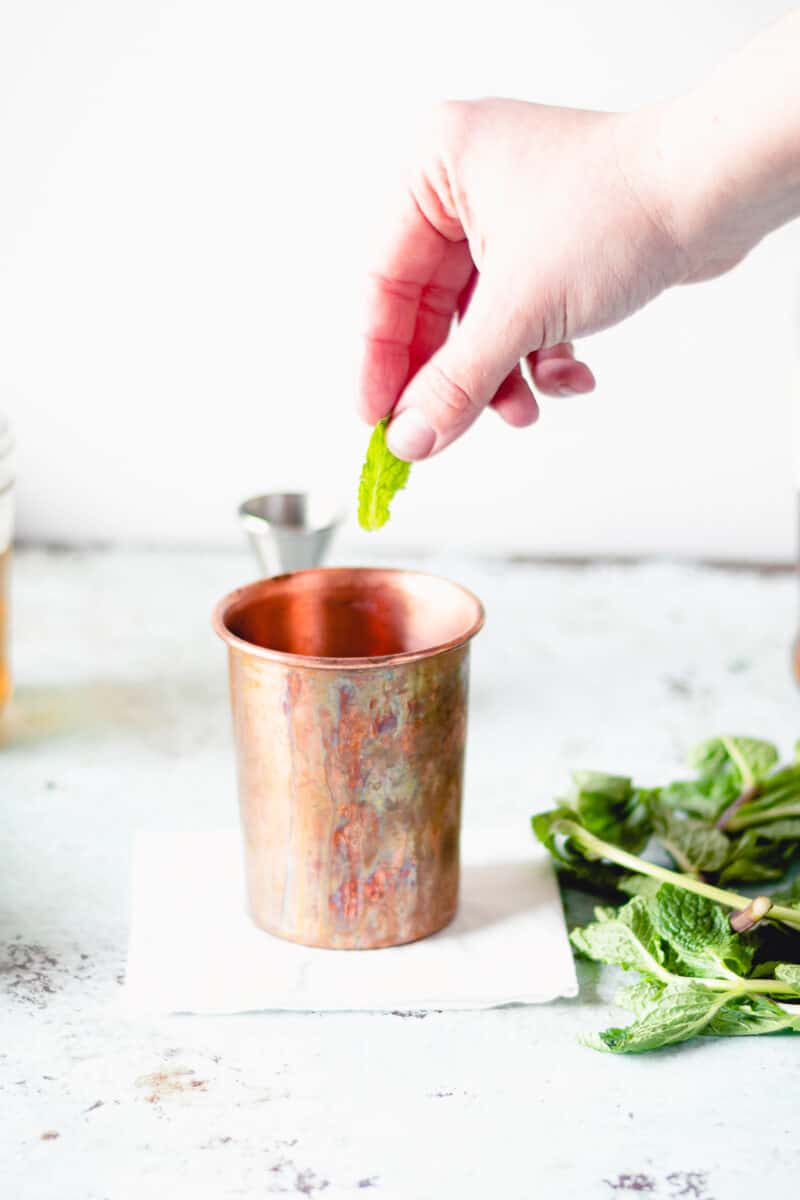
(525, 227)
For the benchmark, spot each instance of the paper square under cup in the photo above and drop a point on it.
(194, 949)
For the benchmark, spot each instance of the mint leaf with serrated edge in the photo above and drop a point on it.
(699, 936)
(382, 476)
(677, 1014)
(629, 940)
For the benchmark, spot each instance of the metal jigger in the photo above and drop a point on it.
(290, 531)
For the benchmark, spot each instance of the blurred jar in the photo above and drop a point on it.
(796, 464)
(6, 530)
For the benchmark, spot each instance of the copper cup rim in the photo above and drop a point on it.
(251, 590)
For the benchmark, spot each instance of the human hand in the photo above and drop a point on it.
(533, 226)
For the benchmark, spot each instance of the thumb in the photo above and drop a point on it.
(451, 390)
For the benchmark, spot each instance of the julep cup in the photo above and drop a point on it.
(349, 696)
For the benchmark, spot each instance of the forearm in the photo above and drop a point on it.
(728, 152)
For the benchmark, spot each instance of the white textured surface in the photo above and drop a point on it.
(121, 723)
(193, 948)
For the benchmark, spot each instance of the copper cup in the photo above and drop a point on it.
(349, 693)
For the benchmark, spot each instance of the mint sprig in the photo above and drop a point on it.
(694, 973)
(710, 960)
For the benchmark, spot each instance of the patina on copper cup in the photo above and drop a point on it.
(349, 693)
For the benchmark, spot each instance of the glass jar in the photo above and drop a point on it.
(6, 529)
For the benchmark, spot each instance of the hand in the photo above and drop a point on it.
(533, 226)
(530, 225)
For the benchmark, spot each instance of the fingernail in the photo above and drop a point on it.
(565, 390)
(409, 436)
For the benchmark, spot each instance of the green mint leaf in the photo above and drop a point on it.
(382, 475)
(666, 1015)
(749, 870)
(697, 937)
(790, 895)
(575, 868)
(639, 885)
(638, 998)
(627, 938)
(674, 1014)
(750, 1015)
(615, 788)
(609, 807)
(672, 935)
(764, 851)
(694, 844)
(776, 798)
(749, 760)
(705, 798)
(546, 828)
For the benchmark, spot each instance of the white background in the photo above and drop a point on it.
(185, 194)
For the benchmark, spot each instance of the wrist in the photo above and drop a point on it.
(724, 185)
(724, 159)
(695, 186)
(649, 175)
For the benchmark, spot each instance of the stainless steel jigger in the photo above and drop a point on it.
(290, 531)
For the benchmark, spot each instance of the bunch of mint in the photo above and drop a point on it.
(710, 960)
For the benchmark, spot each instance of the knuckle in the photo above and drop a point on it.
(450, 402)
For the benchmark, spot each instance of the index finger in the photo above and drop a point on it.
(412, 294)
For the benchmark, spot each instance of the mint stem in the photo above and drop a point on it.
(745, 797)
(600, 849)
(771, 987)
